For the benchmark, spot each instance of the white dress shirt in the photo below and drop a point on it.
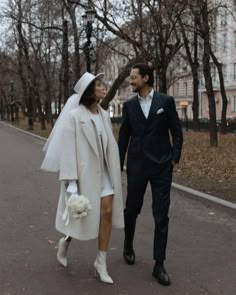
(145, 103)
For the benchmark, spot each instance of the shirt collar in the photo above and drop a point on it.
(148, 97)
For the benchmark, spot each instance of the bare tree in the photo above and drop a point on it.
(149, 27)
(71, 9)
(223, 126)
(203, 23)
(190, 40)
(39, 40)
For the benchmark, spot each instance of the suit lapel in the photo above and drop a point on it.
(88, 129)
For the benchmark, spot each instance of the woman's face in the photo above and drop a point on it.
(99, 90)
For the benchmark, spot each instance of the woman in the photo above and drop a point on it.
(83, 149)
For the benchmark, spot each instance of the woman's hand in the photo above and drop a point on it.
(72, 187)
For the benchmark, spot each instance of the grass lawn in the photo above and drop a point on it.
(208, 169)
(23, 124)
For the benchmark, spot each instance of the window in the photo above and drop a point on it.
(233, 103)
(224, 18)
(224, 42)
(234, 74)
(214, 40)
(177, 89)
(201, 78)
(185, 68)
(177, 62)
(186, 88)
(224, 70)
(213, 73)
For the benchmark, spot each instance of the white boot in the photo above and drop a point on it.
(63, 246)
(101, 268)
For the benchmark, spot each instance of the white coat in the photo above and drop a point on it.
(81, 160)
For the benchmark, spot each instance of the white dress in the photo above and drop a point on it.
(107, 189)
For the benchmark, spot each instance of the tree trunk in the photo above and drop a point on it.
(2, 109)
(65, 61)
(162, 79)
(195, 106)
(8, 112)
(223, 128)
(112, 91)
(3, 104)
(21, 73)
(210, 92)
(223, 125)
(71, 10)
(59, 93)
(32, 78)
(207, 76)
(119, 80)
(194, 64)
(20, 59)
(41, 113)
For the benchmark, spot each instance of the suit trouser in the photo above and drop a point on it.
(160, 177)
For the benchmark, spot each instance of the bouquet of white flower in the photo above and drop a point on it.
(78, 206)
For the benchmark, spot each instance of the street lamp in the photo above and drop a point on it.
(88, 19)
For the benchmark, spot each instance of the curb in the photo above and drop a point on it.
(174, 185)
(23, 131)
(204, 196)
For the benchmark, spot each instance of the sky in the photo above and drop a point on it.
(2, 26)
(2, 2)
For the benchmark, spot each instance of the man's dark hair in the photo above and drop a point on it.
(145, 69)
(88, 97)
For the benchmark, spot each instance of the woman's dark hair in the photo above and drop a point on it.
(145, 69)
(88, 97)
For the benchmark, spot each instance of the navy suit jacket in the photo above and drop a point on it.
(158, 137)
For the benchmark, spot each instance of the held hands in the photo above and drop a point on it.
(72, 187)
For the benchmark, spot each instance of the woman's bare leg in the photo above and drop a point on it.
(105, 223)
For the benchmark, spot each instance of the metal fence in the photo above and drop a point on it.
(188, 125)
(205, 126)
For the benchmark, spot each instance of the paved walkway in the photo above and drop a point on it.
(201, 248)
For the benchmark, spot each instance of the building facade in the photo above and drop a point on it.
(180, 82)
(225, 50)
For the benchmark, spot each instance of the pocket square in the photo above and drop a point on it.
(160, 111)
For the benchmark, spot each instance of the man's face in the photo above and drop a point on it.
(136, 81)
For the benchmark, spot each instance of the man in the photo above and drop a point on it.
(148, 120)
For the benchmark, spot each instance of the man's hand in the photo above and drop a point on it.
(173, 163)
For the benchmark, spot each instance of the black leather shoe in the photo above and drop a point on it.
(128, 253)
(160, 274)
